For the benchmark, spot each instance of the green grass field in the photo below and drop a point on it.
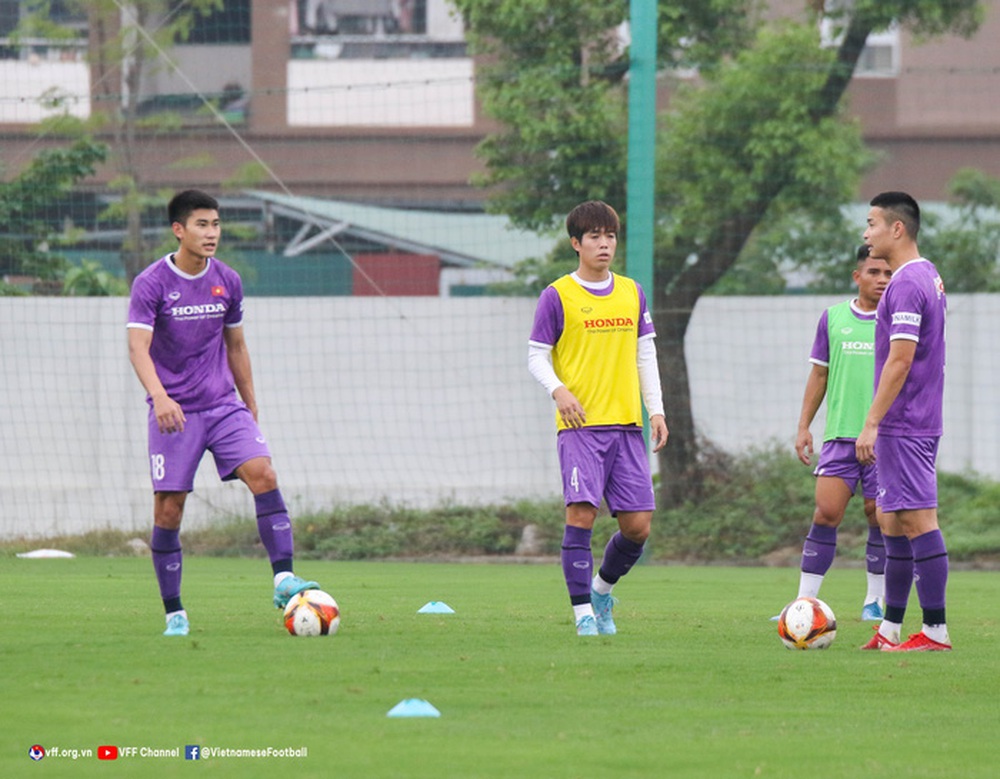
(696, 683)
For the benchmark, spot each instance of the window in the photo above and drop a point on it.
(229, 24)
(375, 29)
(879, 58)
(53, 32)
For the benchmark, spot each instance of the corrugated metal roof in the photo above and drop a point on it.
(458, 238)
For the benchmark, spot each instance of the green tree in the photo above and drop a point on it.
(757, 138)
(551, 75)
(963, 239)
(28, 197)
(89, 279)
(966, 247)
(814, 246)
(127, 43)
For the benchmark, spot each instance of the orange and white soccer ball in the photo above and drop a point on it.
(312, 613)
(807, 623)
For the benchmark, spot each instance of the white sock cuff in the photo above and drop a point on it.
(600, 586)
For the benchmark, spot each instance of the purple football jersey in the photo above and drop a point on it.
(187, 315)
(820, 353)
(913, 307)
(548, 324)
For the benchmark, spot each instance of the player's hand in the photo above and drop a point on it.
(864, 447)
(658, 431)
(569, 407)
(804, 446)
(169, 415)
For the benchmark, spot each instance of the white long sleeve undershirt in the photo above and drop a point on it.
(540, 366)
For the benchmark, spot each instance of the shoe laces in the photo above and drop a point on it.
(605, 603)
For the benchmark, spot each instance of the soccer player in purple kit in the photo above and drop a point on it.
(843, 368)
(186, 344)
(904, 425)
(591, 348)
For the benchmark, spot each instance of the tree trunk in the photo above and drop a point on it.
(679, 476)
(133, 66)
(674, 299)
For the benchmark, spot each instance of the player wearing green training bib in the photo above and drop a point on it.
(845, 346)
(843, 372)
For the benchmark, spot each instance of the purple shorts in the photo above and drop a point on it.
(907, 479)
(840, 458)
(229, 432)
(609, 463)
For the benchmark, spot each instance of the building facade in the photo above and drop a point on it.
(374, 101)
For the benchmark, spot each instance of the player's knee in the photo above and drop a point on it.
(259, 475)
(268, 481)
(635, 528)
(581, 515)
(871, 513)
(264, 482)
(168, 511)
(827, 517)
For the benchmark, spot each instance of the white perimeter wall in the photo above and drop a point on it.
(405, 400)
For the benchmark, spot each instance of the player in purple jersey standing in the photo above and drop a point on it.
(591, 348)
(904, 425)
(842, 372)
(186, 344)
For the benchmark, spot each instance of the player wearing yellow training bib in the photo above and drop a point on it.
(600, 339)
(591, 348)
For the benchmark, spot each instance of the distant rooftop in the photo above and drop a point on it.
(461, 239)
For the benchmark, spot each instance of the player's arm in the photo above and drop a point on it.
(658, 431)
(169, 415)
(894, 372)
(652, 391)
(238, 356)
(812, 399)
(540, 366)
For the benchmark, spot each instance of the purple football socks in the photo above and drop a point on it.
(898, 576)
(167, 557)
(619, 556)
(930, 568)
(875, 551)
(577, 563)
(275, 529)
(819, 549)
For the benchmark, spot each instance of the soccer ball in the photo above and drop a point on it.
(312, 613)
(807, 623)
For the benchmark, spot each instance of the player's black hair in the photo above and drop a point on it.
(899, 207)
(592, 215)
(862, 253)
(184, 203)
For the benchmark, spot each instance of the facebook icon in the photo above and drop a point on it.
(191, 752)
